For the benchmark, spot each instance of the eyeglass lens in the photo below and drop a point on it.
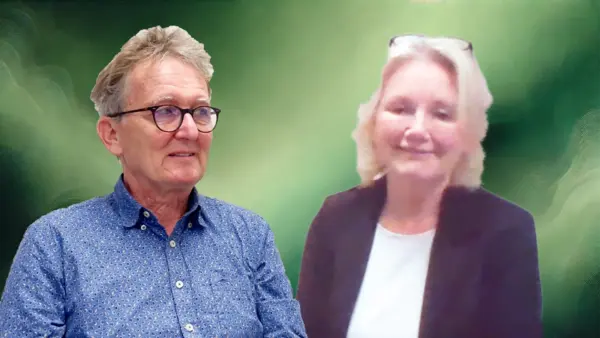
(169, 118)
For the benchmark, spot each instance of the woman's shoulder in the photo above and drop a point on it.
(471, 216)
(503, 206)
(355, 197)
(358, 195)
(499, 213)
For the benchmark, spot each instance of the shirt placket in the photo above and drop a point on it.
(180, 283)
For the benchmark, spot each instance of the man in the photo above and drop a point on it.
(153, 258)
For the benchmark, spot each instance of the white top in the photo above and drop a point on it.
(391, 295)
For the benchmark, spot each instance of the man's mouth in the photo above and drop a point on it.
(182, 154)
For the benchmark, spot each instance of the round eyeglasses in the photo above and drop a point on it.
(169, 118)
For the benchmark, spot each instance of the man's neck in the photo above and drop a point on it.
(167, 205)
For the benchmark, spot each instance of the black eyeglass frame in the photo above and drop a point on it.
(469, 44)
(183, 111)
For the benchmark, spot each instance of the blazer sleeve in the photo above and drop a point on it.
(314, 280)
(512, 301)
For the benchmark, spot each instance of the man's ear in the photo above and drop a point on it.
(106, 129)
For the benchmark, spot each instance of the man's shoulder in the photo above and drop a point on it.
(74, 215)
(227, 213)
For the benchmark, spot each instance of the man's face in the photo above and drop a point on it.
(153, 158)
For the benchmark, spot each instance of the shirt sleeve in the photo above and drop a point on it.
(33, 300)
(277, 309)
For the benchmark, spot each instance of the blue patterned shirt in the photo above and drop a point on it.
(106, 268)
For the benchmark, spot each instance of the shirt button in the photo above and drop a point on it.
(179, 284)
(143, 227)
(189, 327)
(146, 214)
(190, 225)
(172, 244)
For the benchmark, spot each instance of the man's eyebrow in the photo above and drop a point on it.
(162, 99)
(171, 100)
(202, 101)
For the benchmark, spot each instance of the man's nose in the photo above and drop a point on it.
(188, 128)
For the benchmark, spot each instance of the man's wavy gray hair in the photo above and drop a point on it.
(153, 43)
(474, 101)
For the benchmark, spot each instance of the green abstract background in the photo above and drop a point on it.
(289, 76)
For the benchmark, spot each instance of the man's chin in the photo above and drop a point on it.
(185, 179)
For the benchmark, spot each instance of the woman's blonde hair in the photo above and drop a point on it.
(473, 103)
(153, 43)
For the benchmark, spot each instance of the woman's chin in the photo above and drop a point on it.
(417, 171)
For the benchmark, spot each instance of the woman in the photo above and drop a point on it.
(419, 249)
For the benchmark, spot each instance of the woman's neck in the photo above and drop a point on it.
(412, 206)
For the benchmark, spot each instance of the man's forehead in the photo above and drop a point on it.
(201, 98)
(155, 95)
(168, 82)
(167, 71)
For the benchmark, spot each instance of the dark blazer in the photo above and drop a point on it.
(483, 278)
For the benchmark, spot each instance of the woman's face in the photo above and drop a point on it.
(417, 131)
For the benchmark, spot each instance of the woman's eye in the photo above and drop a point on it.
(401, 110)
(442, 113)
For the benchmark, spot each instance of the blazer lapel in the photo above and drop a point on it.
(447, 289)
(353, 249)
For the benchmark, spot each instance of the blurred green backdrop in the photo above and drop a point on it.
(289, 76)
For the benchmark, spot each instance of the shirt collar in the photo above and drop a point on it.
(132, 212)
